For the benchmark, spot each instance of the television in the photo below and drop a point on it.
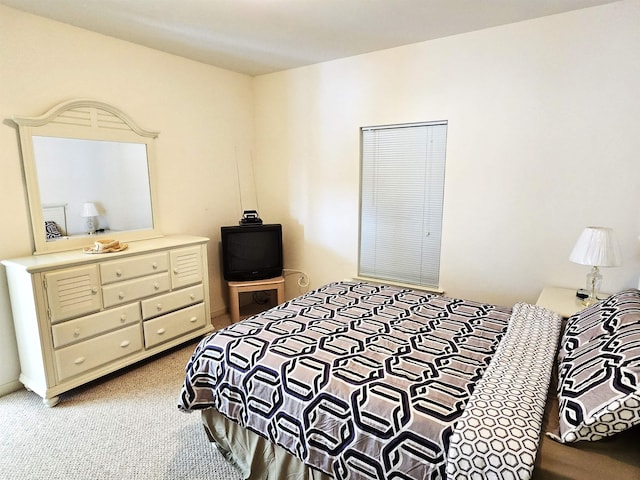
(251, 252)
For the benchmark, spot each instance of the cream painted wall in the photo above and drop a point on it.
(543, 141)
(204, 115)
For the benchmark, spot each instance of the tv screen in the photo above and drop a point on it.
(251, 252)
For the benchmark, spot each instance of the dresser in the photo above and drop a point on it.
(80, 316)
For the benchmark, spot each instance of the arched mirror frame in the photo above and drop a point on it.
(87, 120)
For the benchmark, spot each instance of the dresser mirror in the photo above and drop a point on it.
(89, 175)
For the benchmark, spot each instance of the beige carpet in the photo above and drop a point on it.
(126, 426)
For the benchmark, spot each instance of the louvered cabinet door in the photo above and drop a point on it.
(186, 266)
(72, 292)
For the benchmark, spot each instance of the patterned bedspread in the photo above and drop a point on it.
(355, 379)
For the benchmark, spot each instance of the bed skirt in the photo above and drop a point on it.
(255, 457)
(259, 459)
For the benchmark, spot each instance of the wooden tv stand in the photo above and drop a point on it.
(235, 288)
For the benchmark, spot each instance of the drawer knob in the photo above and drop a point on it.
(161, 331)
(123, 318)
(159, 307)
(193, 319)
(94, 290)
(118, 273)
(156, 286)
(154, 265)
(125, 344)
(76, 332)
(79, 360)
(121, 295)
(192, 296)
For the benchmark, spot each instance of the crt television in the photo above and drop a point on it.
(251, 252)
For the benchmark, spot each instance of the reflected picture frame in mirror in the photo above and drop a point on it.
(88, 152)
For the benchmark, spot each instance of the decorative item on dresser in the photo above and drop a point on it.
(78, 317)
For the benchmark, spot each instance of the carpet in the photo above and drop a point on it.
(123, 426)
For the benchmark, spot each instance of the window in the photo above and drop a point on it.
(401, 200)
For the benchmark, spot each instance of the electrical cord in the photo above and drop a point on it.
(303, 280)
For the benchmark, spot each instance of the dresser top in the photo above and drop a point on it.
(48, 261)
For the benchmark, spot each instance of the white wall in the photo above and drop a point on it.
(543, 141)
(204, 116)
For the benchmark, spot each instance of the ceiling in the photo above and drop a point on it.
(263, 36)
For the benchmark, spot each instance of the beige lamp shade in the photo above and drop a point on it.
(89, 209)
(598, 247)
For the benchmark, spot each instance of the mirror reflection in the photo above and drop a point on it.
(89, 170)
(89, 186)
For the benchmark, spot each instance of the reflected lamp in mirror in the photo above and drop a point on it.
(597, 247)
(90, 212)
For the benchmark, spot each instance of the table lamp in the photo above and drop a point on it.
(596, 246)
(90, 212)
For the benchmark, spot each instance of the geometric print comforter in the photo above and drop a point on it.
(355, 379)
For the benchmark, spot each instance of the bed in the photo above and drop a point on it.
(358, 380)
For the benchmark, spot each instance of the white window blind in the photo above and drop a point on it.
(402, 191)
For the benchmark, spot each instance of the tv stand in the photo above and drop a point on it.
(235, 288)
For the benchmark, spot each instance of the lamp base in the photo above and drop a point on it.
(92, 224)
(594, 281)
(587, 302)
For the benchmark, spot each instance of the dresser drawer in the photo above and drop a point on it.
(130, 290)
(173, 325)
(82, 328)
(169, 302)
(117, 270)
(84, 356)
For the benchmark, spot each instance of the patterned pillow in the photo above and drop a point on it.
(51, 229)
(599, 373)
(602, 318)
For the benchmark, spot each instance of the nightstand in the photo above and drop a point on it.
(560, 300)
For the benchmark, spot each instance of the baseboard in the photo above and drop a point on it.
(10, 387)
(218, 312)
